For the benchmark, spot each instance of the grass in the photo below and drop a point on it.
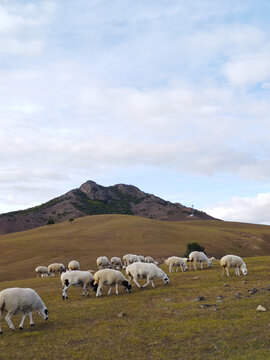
(161, 323)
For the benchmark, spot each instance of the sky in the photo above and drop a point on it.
(169, 96)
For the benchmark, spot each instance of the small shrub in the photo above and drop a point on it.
(70, 219)
(50, 221)
(193, 247)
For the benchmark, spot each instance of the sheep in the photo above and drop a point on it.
(76, 278)
(74, 265)
(56, 268)
(42, 271)
(130, 259)
(21, 300)
(198, 256)
(150, 260)
(142, 258)
(103, 263)
(116, 262)
(109, 277)
(178, 262)
(145, 270)
(233, 261)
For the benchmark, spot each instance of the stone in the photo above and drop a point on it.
(261, 308)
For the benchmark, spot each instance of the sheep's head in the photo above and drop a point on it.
(44, 313)
(127, 285)
(166, 279)
(94, 285)
(244, 269)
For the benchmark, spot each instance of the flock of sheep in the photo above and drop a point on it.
(25, 301)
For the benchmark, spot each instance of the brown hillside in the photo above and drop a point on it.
(94, 199)
(86, 238)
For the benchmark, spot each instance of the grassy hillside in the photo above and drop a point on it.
(84, 239)
(164, 323)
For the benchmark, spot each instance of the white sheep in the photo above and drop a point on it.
(73, 265)
(20, 300)
(142, 258)
(76, 278)
(176, 261)
(56, 268)
(145, 270)
(198, 256)
(42, 271)
(130, 259)
(116, 262)
(103, 263)
(110, 277)
(233, 261)
(150, 260)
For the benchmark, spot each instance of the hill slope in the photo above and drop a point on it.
(94, 199)
(86, 238)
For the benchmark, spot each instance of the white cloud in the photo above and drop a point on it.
(254, 209)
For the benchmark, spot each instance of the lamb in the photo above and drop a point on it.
(21, 300)
(178, 262)
(233, 261)
(130, 259)
(74, 265)
(56, 268)
(145, 270)
(198, 256)
(116, 262)
(109, 277)
(42, 271)
(76, 278)
(103, 263)
(150, 260)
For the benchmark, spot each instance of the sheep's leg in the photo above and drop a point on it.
(64, 294)
(177, 268)
(99, 290)
(0, 321)
(116, 289)
(201, 265)
(21, 324)
(152, 282)
(171, 269)
(194, 264)
(31, 318)
(189, 264)
(227, 270)
(147, 282)
(136, 282)
(110, 289)
(8, 320)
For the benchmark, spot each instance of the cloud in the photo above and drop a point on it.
(254, 209)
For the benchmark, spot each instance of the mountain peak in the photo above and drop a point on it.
(94, 199)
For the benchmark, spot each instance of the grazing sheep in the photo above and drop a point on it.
(74, 265)
(150, 260)
(103, 263)
(76, 278)
(198, 256)
(116, 262)
(56, 268)
(142, 258)
(42, 271)
(20, 300)
(145, 270)
(233, 261)
(130, 259)
(178, 262)
(109, 277)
